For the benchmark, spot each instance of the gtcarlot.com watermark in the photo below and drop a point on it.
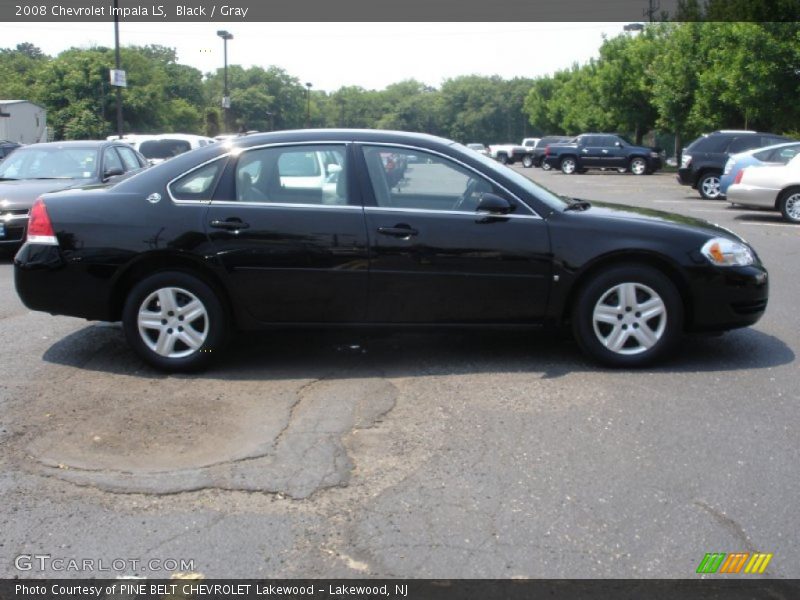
(58, 564)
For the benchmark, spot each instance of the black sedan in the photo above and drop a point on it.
(303, 228)
(33, 170)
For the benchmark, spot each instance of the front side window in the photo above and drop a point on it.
(128, 158)
(313, 174)
(112, 160)
(412, 179)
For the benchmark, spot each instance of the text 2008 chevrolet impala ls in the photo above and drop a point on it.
(305, 227)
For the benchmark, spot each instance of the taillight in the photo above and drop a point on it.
(40, 229)
(547, 150)
(738, 178)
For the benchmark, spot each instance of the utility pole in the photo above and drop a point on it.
(116, 81)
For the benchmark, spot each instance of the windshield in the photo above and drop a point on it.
(539, 192)
(50, 163)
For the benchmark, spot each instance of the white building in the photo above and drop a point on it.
(22, 121)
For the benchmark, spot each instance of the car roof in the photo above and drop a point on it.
(76, 144)
(753, 151)
(340, 135)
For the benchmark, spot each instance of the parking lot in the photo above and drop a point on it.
(410, 455)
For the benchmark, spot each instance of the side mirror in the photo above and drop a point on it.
(113, 172)
(493, 204)
(618, 144)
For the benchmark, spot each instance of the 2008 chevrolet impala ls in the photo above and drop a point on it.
(350, 227)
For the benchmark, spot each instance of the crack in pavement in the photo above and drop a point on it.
(728, 523)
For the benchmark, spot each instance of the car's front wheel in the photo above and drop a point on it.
(568, 165)
(628, 316)
(175, 321)
(789, 205)
(638, 166)
(709, 186)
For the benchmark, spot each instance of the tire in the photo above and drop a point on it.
(527, 161)
(502, 159)
(708, 186)
(182, 339)
(638, 166)
(607, 331)
(622, 169)
(546, 167)
(789, 205)
(568, 165)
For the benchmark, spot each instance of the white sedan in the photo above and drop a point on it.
(774, 187)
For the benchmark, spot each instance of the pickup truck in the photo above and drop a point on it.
(508, 154)
(602, 151)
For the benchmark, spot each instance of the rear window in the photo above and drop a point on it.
(164, 149)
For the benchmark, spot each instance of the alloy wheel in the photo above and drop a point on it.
(173, 322)
(629, 318)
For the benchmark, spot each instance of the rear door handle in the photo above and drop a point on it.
(230, 224)
(401, 231)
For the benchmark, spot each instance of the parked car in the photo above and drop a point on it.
(540, 148)
(38, 168)
(7, 148)
(530, 145)
(779, 154)
(703, 161)
(773, 187)
(602, 151)
(479, 148)
(182, 258)
(508, 154)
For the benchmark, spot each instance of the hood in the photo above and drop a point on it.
(24, 192)
(622, 212)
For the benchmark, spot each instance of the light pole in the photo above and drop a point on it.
(226, 99)
(117, 84)
(308, 105)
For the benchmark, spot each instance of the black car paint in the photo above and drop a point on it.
(292, 266)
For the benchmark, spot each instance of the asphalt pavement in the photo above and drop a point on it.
(409, 455)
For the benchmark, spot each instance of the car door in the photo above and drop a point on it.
(434, 258)
(591, 151)
(615, 153)
(291, 238)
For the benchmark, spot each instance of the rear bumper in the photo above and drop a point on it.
(686, 176)
(749, 196)
(46, 282)
(728, 298)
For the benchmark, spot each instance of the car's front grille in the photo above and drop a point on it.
(749, 308)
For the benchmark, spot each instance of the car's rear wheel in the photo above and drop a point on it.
(789, 205)
(638, 166)
(527, 162)
(709, 186)
(175, 321)
(502, 159)
(568, 165)
(628, 316)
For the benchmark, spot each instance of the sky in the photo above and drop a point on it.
(331, 55)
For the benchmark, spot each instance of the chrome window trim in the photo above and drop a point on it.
(244, 203)
(462, 164)
(427, 211)
(192, 170)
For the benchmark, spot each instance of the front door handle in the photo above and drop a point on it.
(230, 224)
(402, 231)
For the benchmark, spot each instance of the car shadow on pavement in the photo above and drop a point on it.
(758, 216)
(277, 355)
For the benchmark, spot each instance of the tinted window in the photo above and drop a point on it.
(293, 175)
(748, 142)
(164, 149)
(590, 140)
(198, 184)
(712, 143)
(432, 183)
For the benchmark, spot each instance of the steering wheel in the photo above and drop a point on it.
(467, 196)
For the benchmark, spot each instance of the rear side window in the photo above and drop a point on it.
(712, 143)
(198, 184)
(747, 142)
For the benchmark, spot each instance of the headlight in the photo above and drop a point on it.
(655, 155)
(686, 160)
(728, 166)
(727, 253)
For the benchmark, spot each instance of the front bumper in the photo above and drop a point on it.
(12, 232)
(727, 298)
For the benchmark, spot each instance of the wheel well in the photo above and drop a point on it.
(782, 193)
(704, 171)
(163, 262)
(572, 156)
(635, 156)
(640, 258)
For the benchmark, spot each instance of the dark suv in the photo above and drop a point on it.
(703, 161)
